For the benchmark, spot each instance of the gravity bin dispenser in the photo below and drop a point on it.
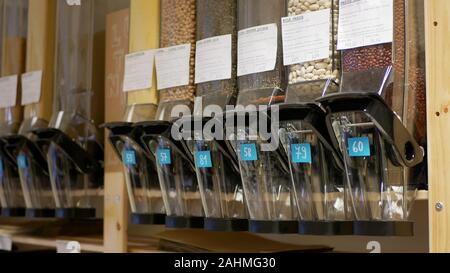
(24, 148)
(377, 151)
(28, 155)
(376, 121)
(217, 170)
(264, 169)
(317, 171)
(74, 149)
(141, 177)
(176, 173)
(13, 22)
(175, 166)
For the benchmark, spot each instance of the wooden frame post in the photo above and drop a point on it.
(437, 20)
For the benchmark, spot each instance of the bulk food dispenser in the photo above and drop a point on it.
(141, 177)
(316, 168)
(261, 80)
(175, 166)
(13, 35)
(74, 149)
(218, 175)
(216, 167)
(264, 169)
(366, 121)
(37, 95)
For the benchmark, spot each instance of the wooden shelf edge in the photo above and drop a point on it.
(88, 245)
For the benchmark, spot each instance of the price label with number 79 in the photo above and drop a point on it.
(301, 153)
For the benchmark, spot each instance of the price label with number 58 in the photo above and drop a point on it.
(248, 152)
(359, 147)
(164, 156)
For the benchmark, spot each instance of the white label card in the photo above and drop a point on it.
(306, 37)
(365, 23)
(257, 49)
(31, 87)
(172, 66)
(213, 59)
(138, 71)
(5, 243)
(8, 91)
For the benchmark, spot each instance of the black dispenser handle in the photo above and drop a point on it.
(84, 161)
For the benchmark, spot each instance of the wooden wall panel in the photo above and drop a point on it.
(41, 52)
(116, 201)
(144, 35)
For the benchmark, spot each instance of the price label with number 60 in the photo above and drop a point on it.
(359, 147)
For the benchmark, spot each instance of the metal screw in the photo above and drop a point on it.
(439, 206)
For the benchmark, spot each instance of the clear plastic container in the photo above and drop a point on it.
(144, 192)
(23, 148)
(265, 175)
(264, 88)
(220, 182)
(395, 71)
(14, 36)
(11, 194)
(377, 150)
(14, 17)
(317, 170)
(176, 173)
(216, 18)
(313, 79)
(74, 146)
(178, 26)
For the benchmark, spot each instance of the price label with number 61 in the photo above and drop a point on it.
(203, 159)
(359, 147)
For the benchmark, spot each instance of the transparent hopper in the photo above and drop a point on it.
(75, 158)
(177, 178)
(377, 151)
(219, 180)
(11, 195)
(265, 176)
(144, 192)
(29, 156)
(316, 169)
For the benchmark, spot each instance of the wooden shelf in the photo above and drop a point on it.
(88, 244)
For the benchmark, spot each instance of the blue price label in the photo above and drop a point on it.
(129, 158)
(248, 152)
(164, 156)
(22, 162)
(301, 153)
(203, 159)
(359, 147)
